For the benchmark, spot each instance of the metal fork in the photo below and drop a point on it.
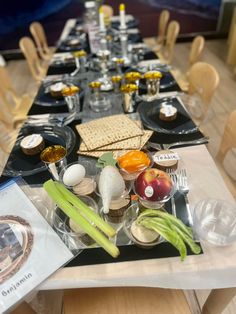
(182, 181)
(202, 140)
(184, 188)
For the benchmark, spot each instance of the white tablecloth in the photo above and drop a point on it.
(216, 268)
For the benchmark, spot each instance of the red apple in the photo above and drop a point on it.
(153, 185)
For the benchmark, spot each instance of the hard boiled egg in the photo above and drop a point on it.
(74, 175)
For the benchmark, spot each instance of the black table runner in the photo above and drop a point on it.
(94, 256)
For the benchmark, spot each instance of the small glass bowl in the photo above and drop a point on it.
(74, 240)
(130, 216)
(214, 221)
(155, 204)
(127, 176)
(90, 173)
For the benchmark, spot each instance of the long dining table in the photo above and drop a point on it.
(214, 269)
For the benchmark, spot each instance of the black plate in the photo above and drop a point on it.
(67, 46)
(44, 98)
(24, 165)
(149, 113)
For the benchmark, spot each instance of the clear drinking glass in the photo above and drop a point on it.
(97, 101)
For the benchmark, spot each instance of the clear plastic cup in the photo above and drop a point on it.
(214, 221)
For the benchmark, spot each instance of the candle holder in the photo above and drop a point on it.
(119, 63)
(80, 62)
(104, 57)
(136, 52)
(97, 101)
(129, 95)
(124, 46)
(116, 80)
(71, 96)
(153, 84)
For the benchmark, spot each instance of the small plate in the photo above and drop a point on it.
(149, 113)
(16, 241)
(44, 98)
(70, 43)
(24, 165)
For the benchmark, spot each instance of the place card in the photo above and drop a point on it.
(27, 244)
(166, 157)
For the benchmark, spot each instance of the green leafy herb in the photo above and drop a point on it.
(106, 159)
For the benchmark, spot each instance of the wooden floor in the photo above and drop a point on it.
(223, 103)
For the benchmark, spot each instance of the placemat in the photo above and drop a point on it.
(94, 256)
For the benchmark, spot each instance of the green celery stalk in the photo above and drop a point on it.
(87, 212)
(168, 234)
(72, 213)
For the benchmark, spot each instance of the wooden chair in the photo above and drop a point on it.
(196, 49)
(122, 300)
(229, 137)
(203, 80)
(28, 48)
(40, 39)
(162, 26)
(167, 52)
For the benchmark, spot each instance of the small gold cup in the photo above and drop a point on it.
(54, 158)
(153, 83)
(129, 93)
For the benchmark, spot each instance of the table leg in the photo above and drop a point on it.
(23, 308)
(217, 300)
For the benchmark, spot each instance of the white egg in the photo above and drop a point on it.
(74, 175)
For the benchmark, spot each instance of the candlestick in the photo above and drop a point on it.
(101, 20)
(122, 16)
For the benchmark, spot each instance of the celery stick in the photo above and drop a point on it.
(71, 212)
(87, 212)
(170, 235)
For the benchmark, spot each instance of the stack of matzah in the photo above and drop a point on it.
(114, 133)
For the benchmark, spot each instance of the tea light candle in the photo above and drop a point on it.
(122, 16)
(101, 20)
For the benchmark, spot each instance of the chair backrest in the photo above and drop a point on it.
(40, 39)
(196, 49)
(6, 83)
(171, 37)
(162, 26)
(229, 137)
(29, 50)
(203, 79)
(107, 10)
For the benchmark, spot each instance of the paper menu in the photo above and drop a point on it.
(27, 245)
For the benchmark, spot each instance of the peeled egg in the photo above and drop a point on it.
(74, 175)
